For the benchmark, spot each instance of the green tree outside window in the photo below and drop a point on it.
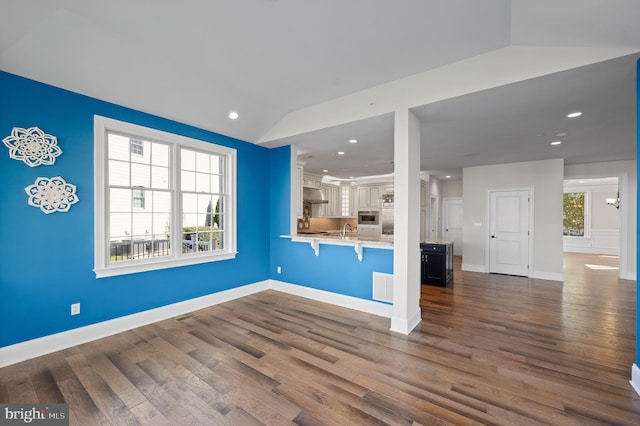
(573, 214)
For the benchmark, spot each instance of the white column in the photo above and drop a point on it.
(406, 241)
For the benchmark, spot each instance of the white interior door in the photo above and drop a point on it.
(453, 224)
(509, 232)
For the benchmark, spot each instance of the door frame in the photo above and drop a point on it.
(487, 247)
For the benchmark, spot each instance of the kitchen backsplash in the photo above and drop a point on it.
(317, 224)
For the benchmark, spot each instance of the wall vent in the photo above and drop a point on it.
(383, 287)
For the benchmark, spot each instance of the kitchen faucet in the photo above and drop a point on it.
(344, 229)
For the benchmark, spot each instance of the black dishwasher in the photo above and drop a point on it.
(436, 263)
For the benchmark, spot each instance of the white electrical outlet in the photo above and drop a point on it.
(75, 308)
(279, 270)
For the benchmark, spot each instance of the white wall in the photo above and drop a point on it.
(545, 178)
(452, 189)
(602, 221)
(626, 171)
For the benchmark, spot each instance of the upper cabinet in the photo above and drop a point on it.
(311, 181)
(369, 197)
(331, 194)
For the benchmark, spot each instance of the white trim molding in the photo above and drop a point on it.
(44, 345)
(55, 342)
(635, 378)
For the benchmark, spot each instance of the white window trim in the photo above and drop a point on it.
(102, 267)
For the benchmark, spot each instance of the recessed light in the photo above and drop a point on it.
(447, 177)
(556, 142)
(353, 140)
(560, 135)
(574, 114)
(340, 152)
(233, 115)
(351, 177)
(325, 171)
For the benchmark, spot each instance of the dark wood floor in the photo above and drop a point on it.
(490, 349)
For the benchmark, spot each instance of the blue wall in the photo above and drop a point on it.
(46, 261)
(337, 269)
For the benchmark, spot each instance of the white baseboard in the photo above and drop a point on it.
(44, 345)
(368, 306)
(552, 276)
(66, 339)
(628, 275)
(404, 326)
(635, 378)
(474, 268)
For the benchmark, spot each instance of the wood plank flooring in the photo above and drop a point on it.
(491, 349)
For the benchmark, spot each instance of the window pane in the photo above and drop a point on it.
(120, 200)
(188, 181)
(159, 177)
(140, 151)
(216, 184)
(188, 160)
(118, 173)
(161, 202)
(202, 182)
(189, 220)
(141, 227)
(161, 225)
(189, 203)
(216, 164)
(202, 160)
(140, 175)
(573, 214)
(160, 154)
(119, 226)
(118, 147)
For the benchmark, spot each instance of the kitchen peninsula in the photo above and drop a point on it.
(349, 239)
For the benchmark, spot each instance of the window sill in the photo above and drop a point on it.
(132, 268)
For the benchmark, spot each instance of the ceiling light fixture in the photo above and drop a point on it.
(560, 135)
(325, 171)
(233, 115)
(556, 143)
(574, 114)
(353, 140)
(340, 152)
(447, 177)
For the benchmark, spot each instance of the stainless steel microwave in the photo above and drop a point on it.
(369, 217)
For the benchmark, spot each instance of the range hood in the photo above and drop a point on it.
(313, 196)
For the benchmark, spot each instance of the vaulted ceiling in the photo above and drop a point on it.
(283, 65)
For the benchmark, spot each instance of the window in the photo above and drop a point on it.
(573, 217)
(345, 195)
(137, 147)
(138, 198)
(161, 200)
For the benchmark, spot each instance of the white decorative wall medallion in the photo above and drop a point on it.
(32, 146)
(52, 194)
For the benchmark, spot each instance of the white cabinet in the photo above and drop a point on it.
(331, 194)
(369, 197)
(311, 181)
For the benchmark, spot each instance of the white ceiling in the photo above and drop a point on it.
(195, 60)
